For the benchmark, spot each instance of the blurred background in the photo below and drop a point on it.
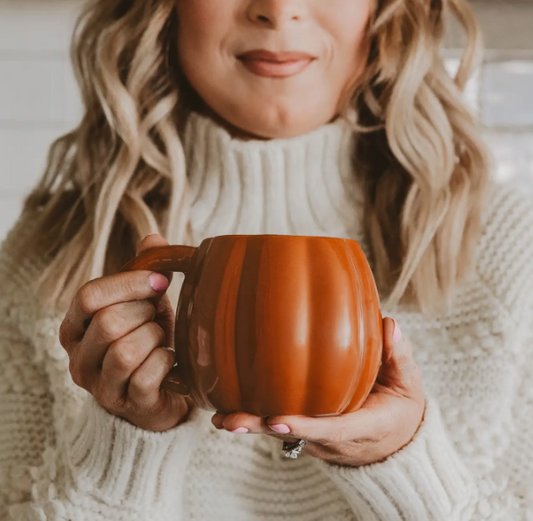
(39, 98)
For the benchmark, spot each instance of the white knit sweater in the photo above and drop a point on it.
(63, 457)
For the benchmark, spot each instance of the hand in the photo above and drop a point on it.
(385, 423)
(118, 357)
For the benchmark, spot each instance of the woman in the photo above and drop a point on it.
(189, 132)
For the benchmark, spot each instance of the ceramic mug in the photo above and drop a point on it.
(273, 324)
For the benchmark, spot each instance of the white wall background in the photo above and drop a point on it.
(39, 98)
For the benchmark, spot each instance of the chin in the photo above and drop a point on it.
(276, 123)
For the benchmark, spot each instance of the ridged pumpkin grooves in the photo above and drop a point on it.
(274, 324)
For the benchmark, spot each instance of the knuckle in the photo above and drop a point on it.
(123, 356)
(108, 400)
(129, 406)
(156, 332)
(151, 310)
(169, 357)
(145, 310)
(88, 298)
(110, 323)
(78, 375)
(144, 382)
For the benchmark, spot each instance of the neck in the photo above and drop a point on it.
(233, 131)
(303, 185)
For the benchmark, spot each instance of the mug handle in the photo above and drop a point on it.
(163, 258)
(166, 258)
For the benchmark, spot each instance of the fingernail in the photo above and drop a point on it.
(281, 428)
(240, 430)
(397, 333)
(217, 420)
(158, 282)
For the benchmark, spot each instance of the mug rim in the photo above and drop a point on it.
(283, 235)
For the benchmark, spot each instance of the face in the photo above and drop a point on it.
(279, 95)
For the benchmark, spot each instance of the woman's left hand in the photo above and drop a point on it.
(385, 423)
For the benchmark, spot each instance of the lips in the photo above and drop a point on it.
(276, 64)
(286, 56)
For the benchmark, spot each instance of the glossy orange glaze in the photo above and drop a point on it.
(274, 324)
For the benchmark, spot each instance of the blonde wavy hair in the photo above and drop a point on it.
(121, 174)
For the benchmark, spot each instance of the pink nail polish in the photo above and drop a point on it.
(397, 333)
(158, 282)
(240, 430)
(282, 429)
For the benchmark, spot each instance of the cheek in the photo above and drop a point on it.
(198, 34)
(198, 55)
(192, 37)
(351, 32)
(350, 41)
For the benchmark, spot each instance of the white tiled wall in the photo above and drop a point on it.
(38, 96)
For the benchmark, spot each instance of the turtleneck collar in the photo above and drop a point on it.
(303, 185)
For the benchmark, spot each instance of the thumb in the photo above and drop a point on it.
(153, 241)
(164, 316)
(398, 371)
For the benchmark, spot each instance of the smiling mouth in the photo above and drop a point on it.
(275, 68)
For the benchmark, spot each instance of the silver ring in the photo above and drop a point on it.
(292, 449)
(172, 350)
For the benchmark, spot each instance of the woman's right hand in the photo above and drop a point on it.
(119, 358)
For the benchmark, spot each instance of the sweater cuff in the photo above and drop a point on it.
(424, 480)
(126, 466)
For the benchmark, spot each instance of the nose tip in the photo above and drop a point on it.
(274, 12)
(273, 19)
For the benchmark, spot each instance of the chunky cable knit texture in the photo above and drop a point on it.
(63, 457)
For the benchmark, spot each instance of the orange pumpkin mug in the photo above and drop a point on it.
(273, 324)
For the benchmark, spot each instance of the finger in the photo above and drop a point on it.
(218, 420)
(173, 382)
(399, 371)
(91, 297)
(145, 383)
(154, 241)
(165, 315)
(126, 356)
(362, 425)
(240, 420)
(108, 326)
(244, 423)
(104, 292)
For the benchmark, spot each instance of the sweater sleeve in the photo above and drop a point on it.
(91, 465)
(426, 480)
(429, 479)
(63, 456)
